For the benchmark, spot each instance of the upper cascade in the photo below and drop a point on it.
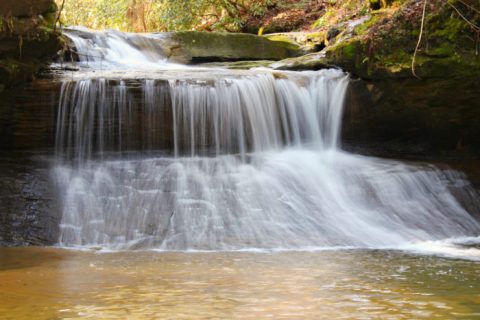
(113, 49)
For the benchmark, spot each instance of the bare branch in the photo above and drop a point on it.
(474, 26)
(58, 16)
(419, 39)
(469, 6)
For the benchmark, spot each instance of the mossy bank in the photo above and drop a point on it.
(435, 111)
(27, 39)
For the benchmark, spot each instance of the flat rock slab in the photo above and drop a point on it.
(217, 46)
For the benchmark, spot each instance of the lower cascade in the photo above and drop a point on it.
(239, 162)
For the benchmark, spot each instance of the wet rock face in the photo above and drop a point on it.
(27, 210)
(410, 117)
(28, 214)
(27, 42)
(27, 117)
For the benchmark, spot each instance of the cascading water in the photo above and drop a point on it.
(255, 165)
(114, 49)
(233, 115)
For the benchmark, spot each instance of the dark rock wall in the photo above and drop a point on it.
(27, 117)
(28, 213)
(27, 43)
(28, 209)
(431, 118)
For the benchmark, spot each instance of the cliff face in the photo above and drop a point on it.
(27, 43)
(27, 39)
(28, 213)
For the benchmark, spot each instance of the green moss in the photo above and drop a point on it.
(309, 41)
(363, 28)
(53, 7)
(444, 50)
(324, 20)
(11, 66)
(50, 18)
(316, 35)
(449, 29)
(349, 51)
(288, 42)
(382, 47)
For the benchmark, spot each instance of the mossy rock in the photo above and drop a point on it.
(307, 41)
(288, 41)
(215, 46)
(436, 115)
(27, 39)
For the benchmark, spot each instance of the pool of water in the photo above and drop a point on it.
(48, 283)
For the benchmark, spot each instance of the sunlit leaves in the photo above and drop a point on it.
(162, 15)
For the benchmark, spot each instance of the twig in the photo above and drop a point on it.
(419, 39)
(469, 6)
(58, 16)
(474, 26)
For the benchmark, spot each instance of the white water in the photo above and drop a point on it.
(235, 114)
(112, 49)
(251, 162)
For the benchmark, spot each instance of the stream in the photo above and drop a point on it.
(194, 192)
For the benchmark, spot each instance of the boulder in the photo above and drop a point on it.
(215, 46)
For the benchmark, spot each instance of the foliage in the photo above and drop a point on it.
(161, 15)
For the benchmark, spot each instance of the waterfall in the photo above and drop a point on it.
(232, 115)
(118, 50)
(255, 164)
(231, 160)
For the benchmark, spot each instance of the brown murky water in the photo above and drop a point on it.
(46, 283)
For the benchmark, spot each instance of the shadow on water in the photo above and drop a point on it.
(30, 257)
